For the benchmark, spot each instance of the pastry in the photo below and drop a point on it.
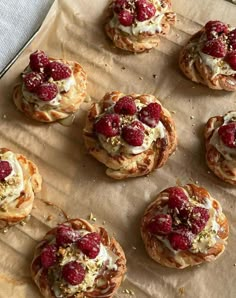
(77, 259)
(136, 25)
(209, 57)
(220, 141)
(51, 89)
(19, 181)
(184, 227)
(131, 134)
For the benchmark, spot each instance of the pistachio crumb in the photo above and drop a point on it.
(154, 76)
(4, 116)
(94, 219)
(173, 112)
(141, 78)
(191, 117)
(134, 248)
(22, 223)
(123, 68)
(49, 217)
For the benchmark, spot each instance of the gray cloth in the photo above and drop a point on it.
(19, 20)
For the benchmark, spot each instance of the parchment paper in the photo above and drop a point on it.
(77, 183)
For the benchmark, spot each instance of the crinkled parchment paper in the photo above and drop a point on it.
(77, 183)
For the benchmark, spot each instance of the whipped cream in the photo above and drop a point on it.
(227, 152)
(217, 65)
(93, 268)
(116, 144)
(13, 184)
(152, 25)
(62, 85)
(206, 238)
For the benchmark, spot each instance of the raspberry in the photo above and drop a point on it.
(47, 91)
(58, 71)
(145, 10)
(181, 239)
(5, 169)
(161, 224)
(48, 256)
(215, 28)
(150, 114)
(120, 5)
(199, 218)
(215, 48)
(125, 105)
(231, 59)
(232, 39)
(108, 125)
(133, 135)
(73, 273)
(227, 134)
(90, 245)
(38, 60)
(66, 235)
(177, 198)
(126, 18)
(32, 80)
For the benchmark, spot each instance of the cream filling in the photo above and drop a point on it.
(205, 239)
(227, 152)
(152, 25)
(13, 185)
(217, 65)
(116, 144)
(62, 85)
(92, 267)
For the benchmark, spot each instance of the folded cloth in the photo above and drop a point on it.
(19, 20)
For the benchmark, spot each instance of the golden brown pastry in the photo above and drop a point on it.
(77, 259)
(19, 181)
(220, 141)
(135, 25)
(51, 89)
(184, 227)
(131, 134)
(209, 57)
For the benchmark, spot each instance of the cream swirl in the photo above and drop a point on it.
(105, 259)
(116, 144)
(152, 25)
(13, 184)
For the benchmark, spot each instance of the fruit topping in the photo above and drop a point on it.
(120, 5)
(231, 59)
(49, 256)
(150, 114)
(32, 80)
(215, 28)
(90, 244)
(232, 39)
(133, 134)
(66, 235)
(214, 48)
(58, 71)
(145, 10)
(161, 224)
(5, 169)
(181, 239)
(108, 125)
(227, 134)
(177, 198)
(38, 60)
(126, 18)
(47, 91)
(199, 219)
(73, 272)
(126, 106)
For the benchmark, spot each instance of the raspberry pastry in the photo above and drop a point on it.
(51, 89)
(220, 140)
(77, 259)
(210, 56)
(19, 180)
(184, 226)
(131, 134)
(135, 25)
